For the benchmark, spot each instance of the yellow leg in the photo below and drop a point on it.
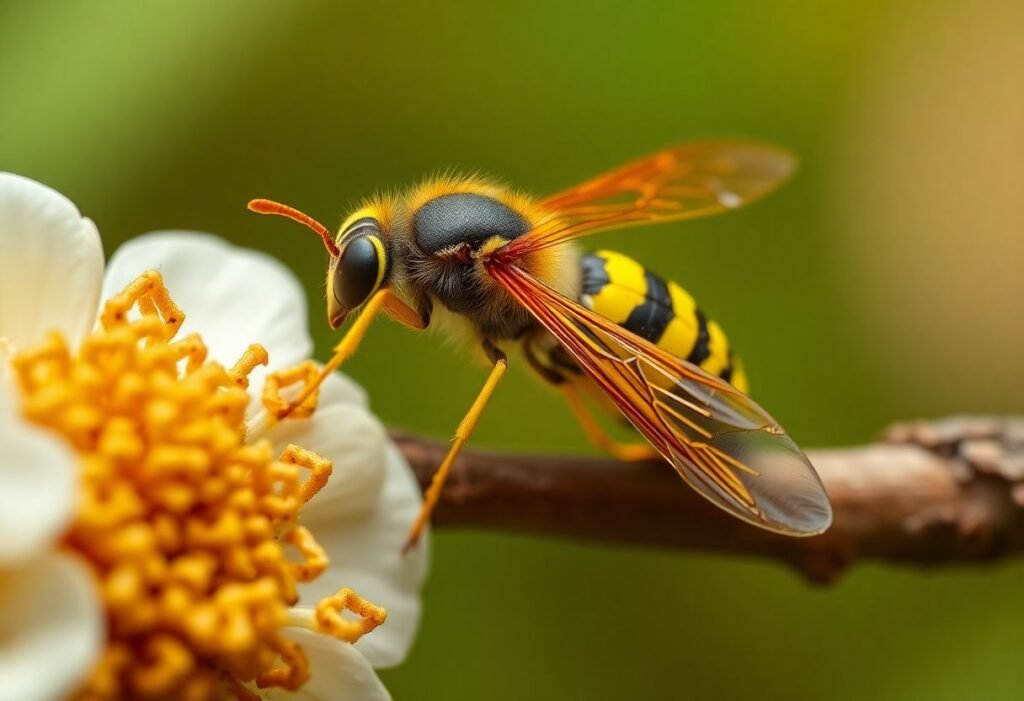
(383, 300)
(462, 434)
(626, 452)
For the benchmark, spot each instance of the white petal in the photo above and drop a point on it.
(38, 488)
(51, 629)
(8, 398)
(339, 388)
(366, 556)
(51, 264)
(353, 440)
(337, 672)
(231, 296)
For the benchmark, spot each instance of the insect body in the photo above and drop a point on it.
(621, 290)
(505, 269)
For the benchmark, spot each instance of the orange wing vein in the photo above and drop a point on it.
(692, 180)
(721, 442)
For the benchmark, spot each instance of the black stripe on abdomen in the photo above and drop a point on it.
(650, 319)
(595, 276)
(727, 371)
(700, 351)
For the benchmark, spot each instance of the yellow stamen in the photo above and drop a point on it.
(303, 374)
(329, 620)
(254, 355)
(183, 522)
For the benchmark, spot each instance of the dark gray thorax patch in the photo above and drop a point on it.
(465, 217)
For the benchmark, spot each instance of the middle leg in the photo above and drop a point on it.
(462, 434)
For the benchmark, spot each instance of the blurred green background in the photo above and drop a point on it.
(883, 283)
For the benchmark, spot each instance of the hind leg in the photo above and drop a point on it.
(595, 432)
(626, 452)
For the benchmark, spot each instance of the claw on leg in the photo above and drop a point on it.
(305, 403)
(308, 375)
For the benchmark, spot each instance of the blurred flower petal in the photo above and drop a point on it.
(231, 296)
(337, 672)
(341, 389)
(52, 631)
(37, 488)
(51, 266)
(8, 399)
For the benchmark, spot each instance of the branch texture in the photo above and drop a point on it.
(927, 493)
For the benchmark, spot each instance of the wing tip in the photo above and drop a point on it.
(777, 161)
(816, 521)
(801, 512)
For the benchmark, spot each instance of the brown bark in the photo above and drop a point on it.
(925, 494)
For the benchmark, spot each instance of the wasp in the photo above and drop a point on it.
(476, 257)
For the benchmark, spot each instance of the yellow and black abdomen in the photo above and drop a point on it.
(621, 290)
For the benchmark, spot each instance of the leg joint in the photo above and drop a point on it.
(494, 354)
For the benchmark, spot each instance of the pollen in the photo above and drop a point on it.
(192, 532)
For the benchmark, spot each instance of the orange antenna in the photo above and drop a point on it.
(270, 207)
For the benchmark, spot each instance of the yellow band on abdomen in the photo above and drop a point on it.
(625, 292)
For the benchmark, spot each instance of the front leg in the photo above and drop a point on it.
(462, 434)
(384, 300)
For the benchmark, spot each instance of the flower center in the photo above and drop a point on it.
(184, 523)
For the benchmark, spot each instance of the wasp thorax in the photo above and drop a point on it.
(465, 218)
(450, 231)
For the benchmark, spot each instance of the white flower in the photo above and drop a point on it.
(52, 277)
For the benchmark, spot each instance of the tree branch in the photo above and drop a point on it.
(926, 494)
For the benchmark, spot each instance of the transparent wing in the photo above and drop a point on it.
(691, 180)
(721, 442)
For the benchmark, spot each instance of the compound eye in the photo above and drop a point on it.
(359, 272)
